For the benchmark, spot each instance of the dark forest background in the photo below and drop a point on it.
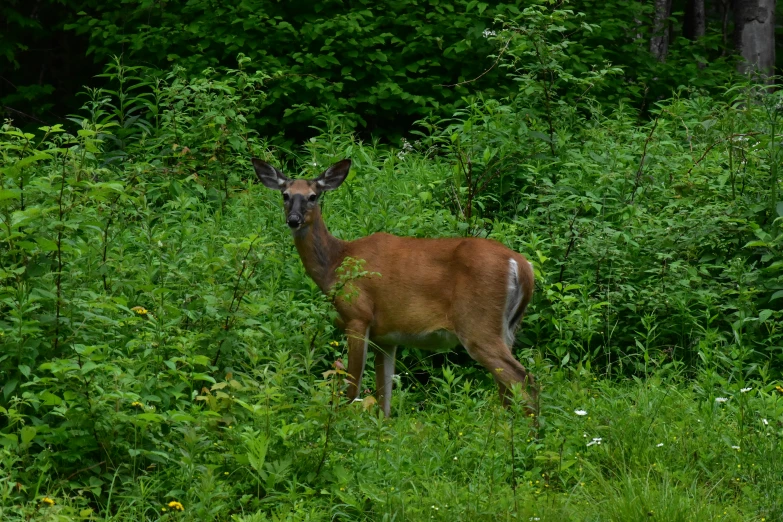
(384, 64)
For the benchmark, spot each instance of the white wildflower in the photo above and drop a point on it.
(487, 33)
(660, 445)
(765, 422)
(735, 448)
(580, 412)
(406, 148)
(596, 440)
(745, 390)
(721, 399)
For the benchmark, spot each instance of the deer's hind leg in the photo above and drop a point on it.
(486, 318)
(493, 354)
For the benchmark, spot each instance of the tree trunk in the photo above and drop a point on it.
(659, 41)
(725, 10)
(754, 36)
(695, 19)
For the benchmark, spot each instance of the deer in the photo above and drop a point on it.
(431, 294)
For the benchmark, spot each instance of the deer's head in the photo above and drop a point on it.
(300, 196)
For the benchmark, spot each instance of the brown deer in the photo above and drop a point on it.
(425, 293)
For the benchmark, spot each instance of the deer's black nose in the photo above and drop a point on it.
(294, 220)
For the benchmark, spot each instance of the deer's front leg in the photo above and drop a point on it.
(357, 333)
(384, 375)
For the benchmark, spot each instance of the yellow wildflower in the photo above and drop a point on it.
(334, 344)
(137, 404)
(47, 501)
(176, 505)
(140, 310)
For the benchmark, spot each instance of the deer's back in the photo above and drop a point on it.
(409, 294)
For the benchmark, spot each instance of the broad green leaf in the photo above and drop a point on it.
(10, 194)
(27, 434)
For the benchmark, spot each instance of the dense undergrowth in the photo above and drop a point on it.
(163, 355)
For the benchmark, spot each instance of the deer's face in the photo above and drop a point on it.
(300, 199)
(300, 196)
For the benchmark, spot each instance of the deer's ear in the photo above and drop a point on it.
(268, 175)
(334, 176)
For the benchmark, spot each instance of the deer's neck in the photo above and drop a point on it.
(320, 251)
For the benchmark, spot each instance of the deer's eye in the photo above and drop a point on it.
(312, 197)
(286, 197)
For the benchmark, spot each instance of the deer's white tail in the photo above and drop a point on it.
(514, 297)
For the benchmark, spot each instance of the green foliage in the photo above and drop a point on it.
(164, 356)
(350, 270)
(382, 65)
